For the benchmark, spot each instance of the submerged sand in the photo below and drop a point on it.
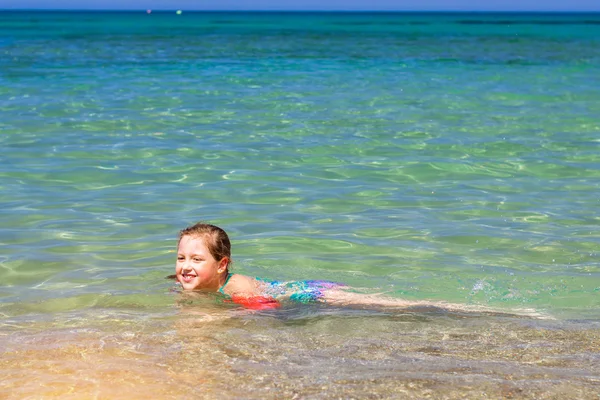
(312, 352)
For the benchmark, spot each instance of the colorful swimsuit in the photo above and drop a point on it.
(298, 291)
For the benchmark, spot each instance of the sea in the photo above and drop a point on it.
(452, 158)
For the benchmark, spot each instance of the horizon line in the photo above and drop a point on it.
(302, 11)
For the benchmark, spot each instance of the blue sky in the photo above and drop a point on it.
(375, 5)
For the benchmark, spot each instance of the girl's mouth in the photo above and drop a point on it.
(188, 277)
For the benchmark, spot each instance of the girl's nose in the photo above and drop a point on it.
(185, 265)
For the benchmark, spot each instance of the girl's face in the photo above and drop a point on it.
(196, 268)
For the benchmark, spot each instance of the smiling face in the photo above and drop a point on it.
(196, 268)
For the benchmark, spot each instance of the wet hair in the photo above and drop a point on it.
(217, 241)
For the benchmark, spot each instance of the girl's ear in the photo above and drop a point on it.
(223, 265)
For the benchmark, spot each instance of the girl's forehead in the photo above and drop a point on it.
(193, 240)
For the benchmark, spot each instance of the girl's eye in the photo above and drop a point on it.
(197, 259)
(180, 258)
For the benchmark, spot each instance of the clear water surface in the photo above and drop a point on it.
(444, 157)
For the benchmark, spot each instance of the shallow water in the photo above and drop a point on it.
(306, 352)
(447, 158)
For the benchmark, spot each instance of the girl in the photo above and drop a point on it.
(203, 258)
(204, 255)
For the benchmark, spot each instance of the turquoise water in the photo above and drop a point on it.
(444, 157)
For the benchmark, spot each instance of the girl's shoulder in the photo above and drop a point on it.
(242, 285)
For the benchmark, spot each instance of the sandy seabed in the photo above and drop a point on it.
(310, 352)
